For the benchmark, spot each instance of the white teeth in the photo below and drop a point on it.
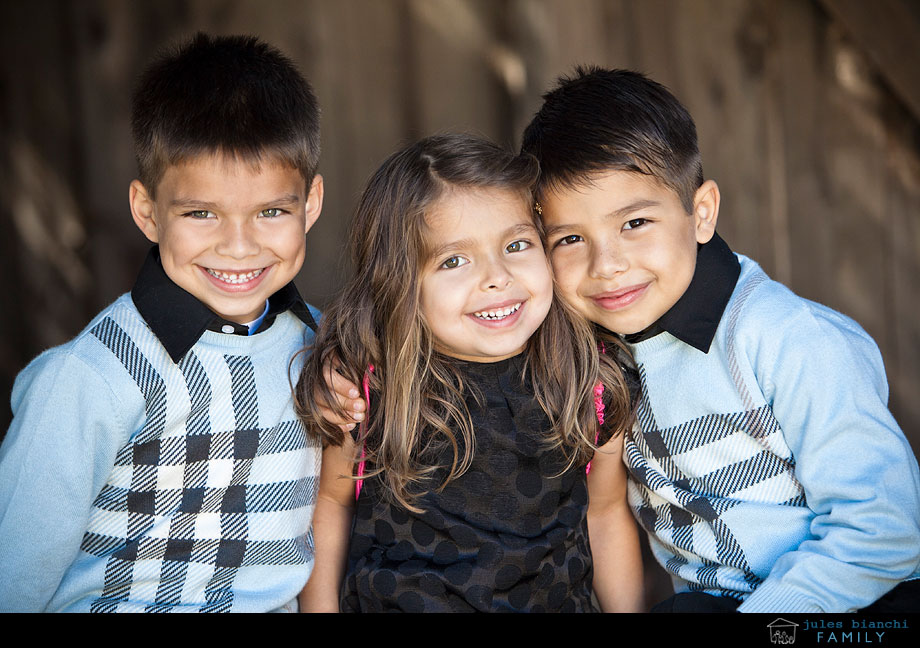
(233, 278)
(498, 313)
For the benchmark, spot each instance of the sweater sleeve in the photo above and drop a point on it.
(824, 379)
(55, 458)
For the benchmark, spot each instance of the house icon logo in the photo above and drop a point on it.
(782, 632)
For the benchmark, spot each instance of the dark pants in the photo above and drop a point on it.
(902, 599)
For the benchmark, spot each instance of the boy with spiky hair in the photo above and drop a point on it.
(767, 469)
(155, 462)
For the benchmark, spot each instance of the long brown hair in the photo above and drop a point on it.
(376, 320)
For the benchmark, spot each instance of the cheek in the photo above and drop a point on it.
(173, 253)
(286, 240)
(580, 306)
(296, 249)
(424, 302)
(434, 298)
(566, 272)
(568, 292)
(546, 278)
(181, 241)
(675, 261)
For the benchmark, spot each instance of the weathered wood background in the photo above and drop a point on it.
(808, 114)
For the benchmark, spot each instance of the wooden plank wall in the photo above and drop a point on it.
(815, 149)
(816, 157)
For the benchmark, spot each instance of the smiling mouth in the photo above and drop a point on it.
(616, 300)
(498, 314)
(235, 278)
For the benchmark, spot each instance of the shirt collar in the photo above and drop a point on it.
(178, 318)
(694, 318)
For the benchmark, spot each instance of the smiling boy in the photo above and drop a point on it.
(229, 233)
(155, 462)
(621, 274)
(767, 469)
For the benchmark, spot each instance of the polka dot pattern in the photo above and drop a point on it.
(508, 535)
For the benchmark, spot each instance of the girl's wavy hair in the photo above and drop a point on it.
(418, 394)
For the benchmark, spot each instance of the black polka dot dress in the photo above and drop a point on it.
(509, 535)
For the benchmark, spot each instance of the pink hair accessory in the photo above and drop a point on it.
(599, 412)
(366, 386)
(598, 407)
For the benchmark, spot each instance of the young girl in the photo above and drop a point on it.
(485, 394)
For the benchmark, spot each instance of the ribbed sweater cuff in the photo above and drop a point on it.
(775, 598)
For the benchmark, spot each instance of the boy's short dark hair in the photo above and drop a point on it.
(232, 95)
(599, 120)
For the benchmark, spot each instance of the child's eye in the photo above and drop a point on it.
(454, 262)
(518, 246)
(568, 240)
(199, 214)
(634, 223)
(271, 212)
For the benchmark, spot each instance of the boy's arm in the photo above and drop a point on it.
(332, 520)
(57, 455)
(612, 533)
(826, 384)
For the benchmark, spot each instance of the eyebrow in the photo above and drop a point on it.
(634, 207)
(192, 203)
(622, 212)
(514, 230)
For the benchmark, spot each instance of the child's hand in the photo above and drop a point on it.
(348, 396)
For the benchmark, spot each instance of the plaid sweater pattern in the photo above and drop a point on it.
(769, 469)
(207, 502)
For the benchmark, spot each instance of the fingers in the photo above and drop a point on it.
(344, 388)
(347, 397)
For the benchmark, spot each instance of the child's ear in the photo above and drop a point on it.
(314, 202)
(143, 210)
(706, 210)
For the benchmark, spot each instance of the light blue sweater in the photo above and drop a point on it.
(129, 482)
(770, 469)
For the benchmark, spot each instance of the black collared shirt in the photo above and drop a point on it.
(178, 319)
(694, 318)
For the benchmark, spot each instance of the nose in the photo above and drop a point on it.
(496, 276)
(607, 260)
(237, 239)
